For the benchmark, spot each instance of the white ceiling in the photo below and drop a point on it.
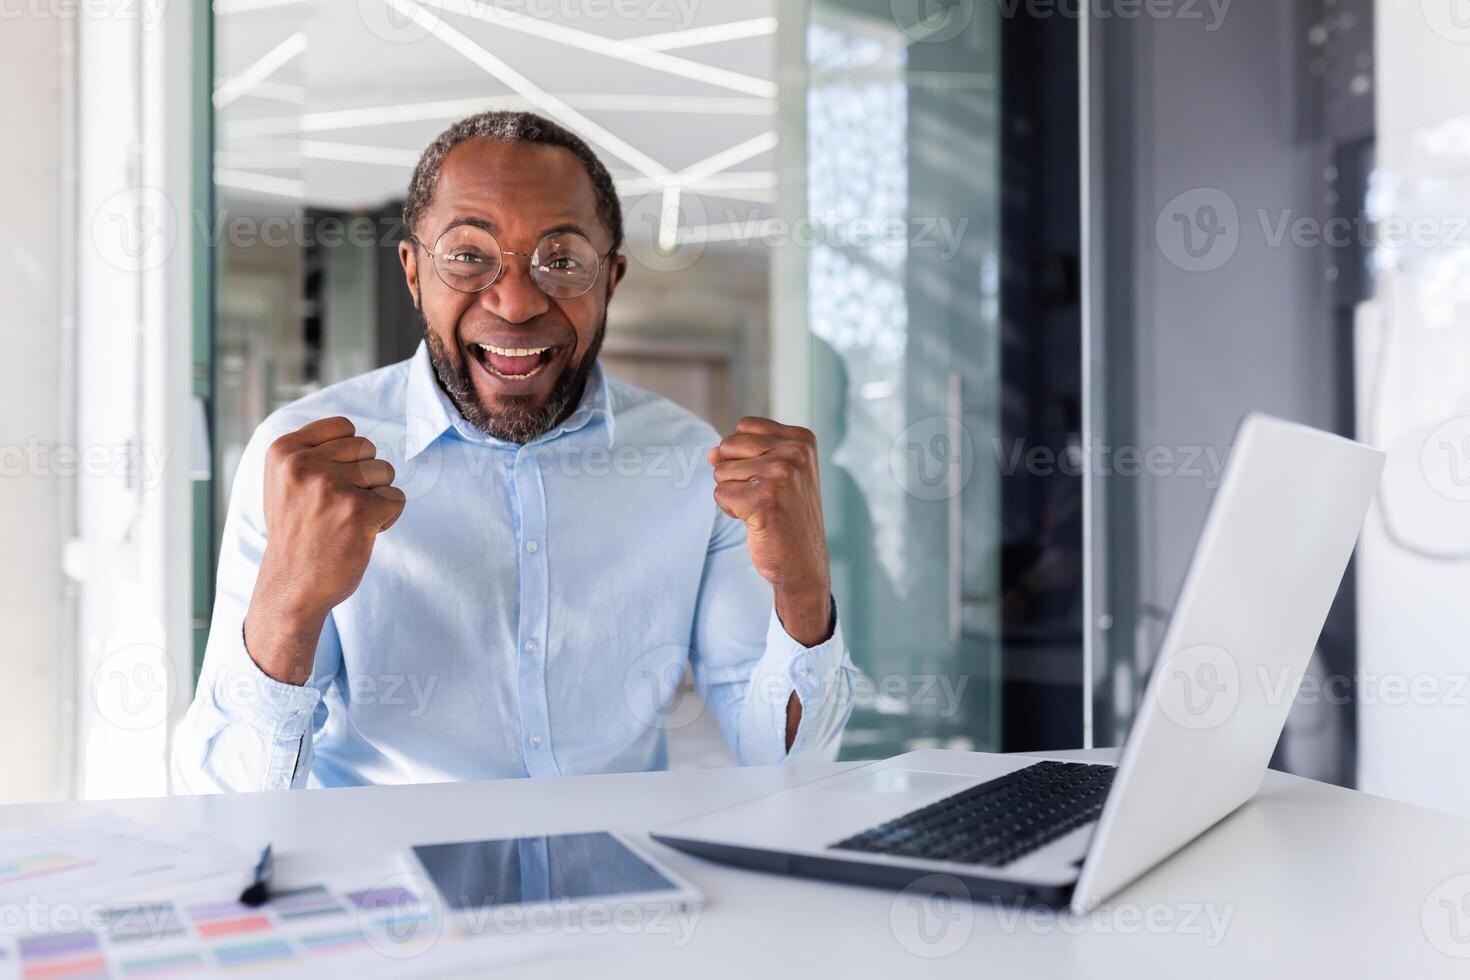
(287, 69)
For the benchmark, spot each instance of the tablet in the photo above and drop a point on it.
(565, 871)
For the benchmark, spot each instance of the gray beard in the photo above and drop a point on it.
(520, 421)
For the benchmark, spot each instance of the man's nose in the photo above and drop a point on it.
(515, 298)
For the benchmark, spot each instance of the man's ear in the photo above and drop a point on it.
(408, 256)
(615, 270)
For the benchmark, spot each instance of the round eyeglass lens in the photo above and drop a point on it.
(467, 258)
(565, 265)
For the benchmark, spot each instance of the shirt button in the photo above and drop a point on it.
(536, 740)
(531, 546)
(803, 672)
(532, 646)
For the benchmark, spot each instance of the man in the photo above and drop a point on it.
(491, 560)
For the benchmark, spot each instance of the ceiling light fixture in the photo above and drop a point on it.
(735, 30)
(533, 93)
(622, 50)
(261, 69)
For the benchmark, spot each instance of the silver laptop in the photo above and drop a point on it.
(1273, 551)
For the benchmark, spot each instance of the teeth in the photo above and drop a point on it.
(513, 351)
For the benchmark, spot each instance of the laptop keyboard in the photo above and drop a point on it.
(996, 822)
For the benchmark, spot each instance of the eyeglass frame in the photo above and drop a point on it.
(601, 260)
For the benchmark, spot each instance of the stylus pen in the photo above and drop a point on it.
(258, 891)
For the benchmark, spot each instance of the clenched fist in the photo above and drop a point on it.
(766, 476)
(327, 498)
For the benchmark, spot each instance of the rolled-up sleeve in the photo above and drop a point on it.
(245, 730)
(746, 666)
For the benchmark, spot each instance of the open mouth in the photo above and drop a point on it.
(513, 363)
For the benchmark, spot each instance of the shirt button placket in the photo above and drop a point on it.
(535, 614)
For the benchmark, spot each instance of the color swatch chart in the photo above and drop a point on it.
(297, 929)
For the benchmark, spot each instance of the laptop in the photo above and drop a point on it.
(1277, 540)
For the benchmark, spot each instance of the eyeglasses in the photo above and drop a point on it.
(564, 265)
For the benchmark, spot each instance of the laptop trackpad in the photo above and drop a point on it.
(901, 782)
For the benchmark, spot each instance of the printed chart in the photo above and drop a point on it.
(296, 929)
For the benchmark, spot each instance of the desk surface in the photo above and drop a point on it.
(1306, 880)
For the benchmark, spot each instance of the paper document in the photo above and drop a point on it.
(106, 856)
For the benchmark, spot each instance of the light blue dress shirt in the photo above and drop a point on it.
(530, 614)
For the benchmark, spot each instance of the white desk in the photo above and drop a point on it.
(1316, 881)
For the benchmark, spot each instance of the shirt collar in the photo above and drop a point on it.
(428, 412)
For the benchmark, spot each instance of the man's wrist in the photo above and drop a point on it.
(282, 644)
(806, 616)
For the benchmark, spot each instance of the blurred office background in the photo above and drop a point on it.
(1023, 268)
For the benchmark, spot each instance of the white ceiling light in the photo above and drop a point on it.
(354, 153)
(755, 186)
(668, 224)
(224, 8)
(242, 180)
(726, 159)
(735, 30)
(275, 91)
(622, 50)
(257, 159)
(327, 120)
(265, 66)
(533, 93)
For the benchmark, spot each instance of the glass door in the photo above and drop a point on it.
(930, 377)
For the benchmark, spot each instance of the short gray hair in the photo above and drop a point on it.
(511, 127)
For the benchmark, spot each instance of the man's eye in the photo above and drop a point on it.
(564, 263)
(466, 257)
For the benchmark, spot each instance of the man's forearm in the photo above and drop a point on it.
(280, 637)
